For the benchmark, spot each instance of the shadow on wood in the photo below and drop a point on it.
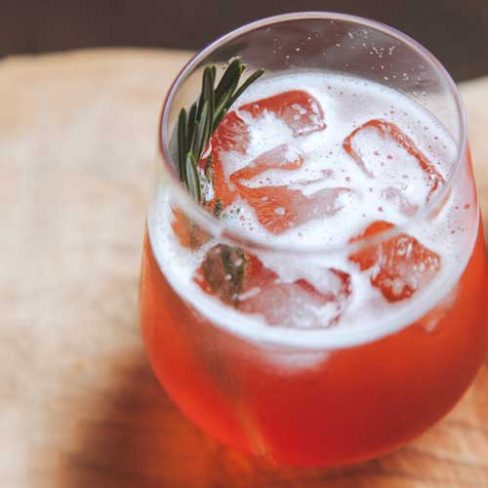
(136, 437)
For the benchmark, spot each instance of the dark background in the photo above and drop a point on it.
(456, 31)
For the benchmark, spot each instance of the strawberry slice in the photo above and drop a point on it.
(399, 266)
(389, 130)
(240, 279)
(297, 108)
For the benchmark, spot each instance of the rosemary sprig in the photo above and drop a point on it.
(196, 126)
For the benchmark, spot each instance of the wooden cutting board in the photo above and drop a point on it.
(79, 406)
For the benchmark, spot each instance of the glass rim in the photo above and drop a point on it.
(233, 235)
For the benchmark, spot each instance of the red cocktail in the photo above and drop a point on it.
(323, 303)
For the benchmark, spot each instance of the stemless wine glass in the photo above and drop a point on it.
(319, 395)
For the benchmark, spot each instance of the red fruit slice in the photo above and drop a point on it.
(400, 265)
(297, 108)
(388, 129)
(240, 279)
(232, 134)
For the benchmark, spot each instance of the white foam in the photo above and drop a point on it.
(347, 102)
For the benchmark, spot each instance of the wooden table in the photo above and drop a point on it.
(79, 406)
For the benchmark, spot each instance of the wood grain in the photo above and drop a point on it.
(79, 406)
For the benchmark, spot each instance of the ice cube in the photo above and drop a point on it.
(399, 200)
(240, 279)
(281, 157)
(297, 108)
(278, 207)
(399, 266)
(384, 152)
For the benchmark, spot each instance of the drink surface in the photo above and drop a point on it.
(320, 160)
